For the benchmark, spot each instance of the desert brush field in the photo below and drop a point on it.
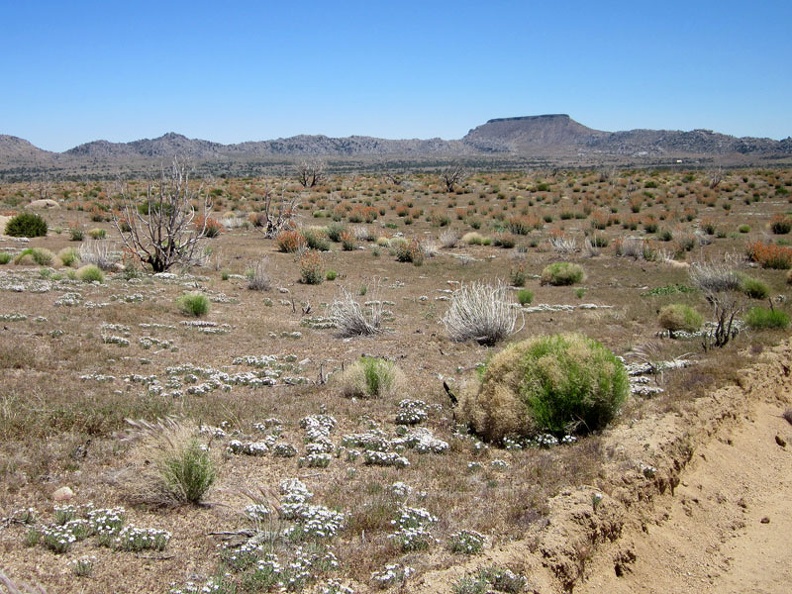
(308, 399)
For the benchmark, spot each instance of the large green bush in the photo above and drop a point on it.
(562, 273)
(680, 317)
(763, 318)
(26, 224)
(561, 384)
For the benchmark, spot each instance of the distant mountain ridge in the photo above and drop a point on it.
(552, 137)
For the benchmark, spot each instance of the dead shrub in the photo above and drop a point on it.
(480, 312)
(353, 319)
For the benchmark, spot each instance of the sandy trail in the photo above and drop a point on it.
(727, 527)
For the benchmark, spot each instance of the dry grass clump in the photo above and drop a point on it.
(480, 312)
(174, 467)
(715, 277)
(353, 319)
(372, 377)
(258, 277)
(561, 384)
(98, 253)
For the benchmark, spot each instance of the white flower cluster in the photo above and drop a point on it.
(135, 539)
(377, 458)
(13, 317)
(270, 425)
(106, 523)
(253, 361)
(392, 575)
(251, 448)
(318, 444)
(422, 441)
(411, 412)
(284, 450)
(97, 377)
(60, 538)
(374, 440)
(69, 300)
(242, 557)
(257, 512)
(315, 460)
(82, 566)
(467, 542)
(413, 528)
(400, 490)
(208, 587)
(312, 520)
(335, 587)
(146, 342)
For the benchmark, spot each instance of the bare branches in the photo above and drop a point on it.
(310, 173)
(452, 175)
(164, 230)
(278, 214)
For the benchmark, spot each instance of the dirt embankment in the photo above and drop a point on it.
(696, 501)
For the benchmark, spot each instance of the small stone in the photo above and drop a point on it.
(780, 441)
(63, 494)
(765, 520)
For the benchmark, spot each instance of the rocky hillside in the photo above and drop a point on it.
(552, 139)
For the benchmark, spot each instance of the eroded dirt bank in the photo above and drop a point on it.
(696, 501)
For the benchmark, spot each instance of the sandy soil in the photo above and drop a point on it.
(726, 529)
(711, 515)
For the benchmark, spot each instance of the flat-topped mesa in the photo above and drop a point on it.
(551, 134)
(548, 116)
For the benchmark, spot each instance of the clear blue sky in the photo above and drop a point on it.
(232, 71)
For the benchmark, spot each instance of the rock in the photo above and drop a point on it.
(45, 203)
(62, 495)
(780, 441)
(765, 520)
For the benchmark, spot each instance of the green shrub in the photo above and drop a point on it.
(97, 233)
(193, 304)
(411, 251)
(525, 297)
(562, 273)
(90, 273)
(781, 224)
(69, 256)
(754, 288)
(26, 224)
(5, 258)
(331, 275)
(311, 264)
(744, 228)
(678, 316)
(76, 233)
(561, 384)
(372, 377)
(335, 231)
(762, 318)
(39, 256)
(316, 238)
(188, 472)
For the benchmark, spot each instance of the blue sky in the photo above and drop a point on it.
(233, 71)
